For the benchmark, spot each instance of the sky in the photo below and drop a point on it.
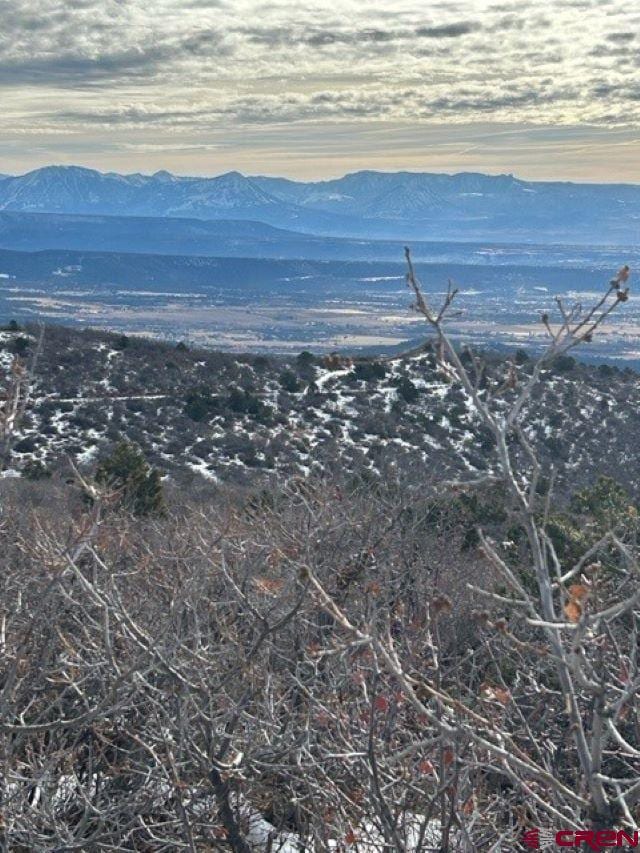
(544, 90)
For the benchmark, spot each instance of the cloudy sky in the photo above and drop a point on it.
(539, 88)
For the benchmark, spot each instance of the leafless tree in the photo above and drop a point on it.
(324, 665)
(570, 640)
(16, 396)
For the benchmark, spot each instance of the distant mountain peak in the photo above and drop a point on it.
(63, 168)
(367, 203)
(234, 174)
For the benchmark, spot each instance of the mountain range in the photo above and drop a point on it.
(366, 204)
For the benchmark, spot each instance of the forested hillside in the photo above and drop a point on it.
(242, 419)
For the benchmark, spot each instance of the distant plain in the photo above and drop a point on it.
(285, 305)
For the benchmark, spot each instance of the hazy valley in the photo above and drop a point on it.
(125, 253)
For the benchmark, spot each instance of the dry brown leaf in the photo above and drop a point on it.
(623, 274)
(469, 807)
(573, 611)
(623, 673)
(447, 756)
(502, 695)
(491, 693)
(381, 704)
(268, 586)
(578, 591)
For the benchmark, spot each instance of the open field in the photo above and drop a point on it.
(285, 305)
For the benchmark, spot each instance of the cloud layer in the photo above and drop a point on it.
(125, 79)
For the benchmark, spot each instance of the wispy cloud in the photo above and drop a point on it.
(112, 73)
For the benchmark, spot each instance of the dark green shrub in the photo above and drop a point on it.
(26, 445)
(245, 403)
(367, 371)
(289, 381)
(19, 346)
(564, 364)
(35, 470)
(306, 364)
(138, 485)
(305, 358)
(200, 406)
(607, 502)
(407, 390)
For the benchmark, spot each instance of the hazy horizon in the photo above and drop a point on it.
(311, 179)
(544, 90)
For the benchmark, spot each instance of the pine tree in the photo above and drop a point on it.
(127, 472)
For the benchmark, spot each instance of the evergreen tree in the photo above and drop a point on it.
(139, 485)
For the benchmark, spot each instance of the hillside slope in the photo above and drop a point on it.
(244, 418)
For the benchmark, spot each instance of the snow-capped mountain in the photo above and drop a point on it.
(402, 205)
(75, 190)
(459, 197)
(62, 189)
(72, 189)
